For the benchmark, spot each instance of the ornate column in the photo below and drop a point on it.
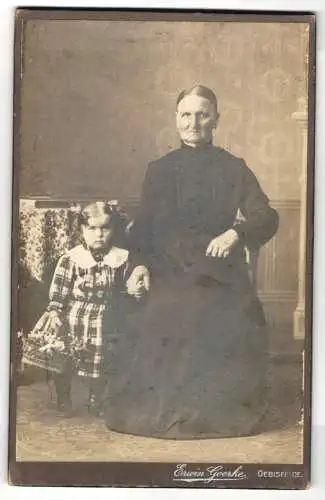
(301, 116)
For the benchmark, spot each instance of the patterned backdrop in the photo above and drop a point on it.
(44, 235)
(98, 102)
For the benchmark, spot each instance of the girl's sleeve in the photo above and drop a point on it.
(61, 285)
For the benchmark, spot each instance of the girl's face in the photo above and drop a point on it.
(98, 233)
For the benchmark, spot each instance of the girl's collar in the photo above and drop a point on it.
(114, 258)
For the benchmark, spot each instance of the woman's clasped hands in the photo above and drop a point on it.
(138, 284)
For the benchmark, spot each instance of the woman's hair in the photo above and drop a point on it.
(118, 219)
(200, 91)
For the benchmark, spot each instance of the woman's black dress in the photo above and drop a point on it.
(193, 362)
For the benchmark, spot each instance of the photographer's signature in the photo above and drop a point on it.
(209, 474)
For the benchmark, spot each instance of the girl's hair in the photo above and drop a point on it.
(200, 91)
(118, 219)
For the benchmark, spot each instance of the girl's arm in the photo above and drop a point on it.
(61, 285)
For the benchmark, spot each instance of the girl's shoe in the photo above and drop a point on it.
(94, 405)
(65, 407)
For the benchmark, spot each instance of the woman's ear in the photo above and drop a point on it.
(176, 116)
(216, 121)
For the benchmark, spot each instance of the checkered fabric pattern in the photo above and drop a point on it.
(87, 299)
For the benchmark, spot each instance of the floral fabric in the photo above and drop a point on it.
(44, 235)
(47, 233)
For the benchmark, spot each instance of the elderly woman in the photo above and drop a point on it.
(196, 364)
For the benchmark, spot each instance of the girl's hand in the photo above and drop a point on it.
(54, 322)
(138, 283)
(138, 292)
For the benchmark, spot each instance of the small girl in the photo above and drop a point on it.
(89, 299)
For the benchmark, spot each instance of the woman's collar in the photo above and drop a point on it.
(205, 146)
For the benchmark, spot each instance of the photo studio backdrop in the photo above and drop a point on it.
(98, 103)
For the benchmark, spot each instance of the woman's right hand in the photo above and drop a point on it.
(138, 283)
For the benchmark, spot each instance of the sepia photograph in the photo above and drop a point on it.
(162, 243)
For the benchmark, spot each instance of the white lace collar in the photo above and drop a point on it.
(115, 258)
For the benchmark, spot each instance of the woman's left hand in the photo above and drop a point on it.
(222, 244)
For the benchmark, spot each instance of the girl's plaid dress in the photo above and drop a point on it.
(89, 296)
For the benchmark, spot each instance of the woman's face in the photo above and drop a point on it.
(98, 233)
(196, 119)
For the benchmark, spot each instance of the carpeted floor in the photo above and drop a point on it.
(42, 435)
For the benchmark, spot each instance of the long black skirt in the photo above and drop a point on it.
(192, 364)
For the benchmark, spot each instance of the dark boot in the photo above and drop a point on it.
(62, 382)
(95, 397)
